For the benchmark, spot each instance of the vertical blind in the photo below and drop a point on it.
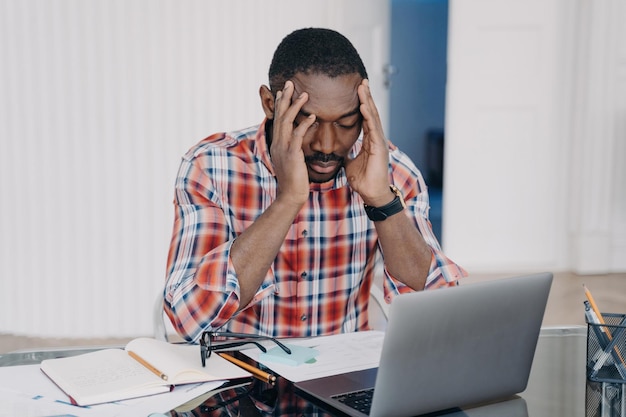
(98, 101)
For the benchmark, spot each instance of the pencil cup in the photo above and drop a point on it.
(606, 367)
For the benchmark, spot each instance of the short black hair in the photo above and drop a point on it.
(314, 51)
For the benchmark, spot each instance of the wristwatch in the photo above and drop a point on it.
(396, 205)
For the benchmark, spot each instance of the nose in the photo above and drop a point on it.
(324, 139)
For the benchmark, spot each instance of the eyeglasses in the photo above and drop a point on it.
(206, 346)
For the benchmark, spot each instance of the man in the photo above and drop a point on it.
(277, 226)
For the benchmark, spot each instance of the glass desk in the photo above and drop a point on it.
(556, 387)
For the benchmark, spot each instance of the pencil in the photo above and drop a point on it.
(602, 323)
(256, 372)
(147, 365)
(594, 306)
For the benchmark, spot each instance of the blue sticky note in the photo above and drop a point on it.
(298, 356)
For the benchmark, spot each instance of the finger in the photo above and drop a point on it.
(295, 106)
(283, 123)
(288, 136)
(287, 120)
(304, 125)
(365, 107)
(287, 106)
(367, 102)
(283, 99)
(293, 140)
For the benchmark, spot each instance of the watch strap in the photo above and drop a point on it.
(396, 205)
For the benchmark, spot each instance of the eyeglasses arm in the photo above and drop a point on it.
(252, 336)
(236, 344)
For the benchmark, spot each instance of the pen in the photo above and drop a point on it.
(256, 372)
(147, 365)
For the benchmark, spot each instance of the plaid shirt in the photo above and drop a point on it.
(320, 280)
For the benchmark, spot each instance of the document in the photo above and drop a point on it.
(145, 367)
(26, 392)
(338, 354)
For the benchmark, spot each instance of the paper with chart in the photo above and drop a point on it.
(338, 354)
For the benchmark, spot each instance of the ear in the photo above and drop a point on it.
(267, 101)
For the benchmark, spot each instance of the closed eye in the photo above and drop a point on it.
(347, 127)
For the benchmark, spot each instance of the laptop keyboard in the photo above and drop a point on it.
(359, 400)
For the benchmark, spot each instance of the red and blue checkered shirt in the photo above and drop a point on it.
(320, 280)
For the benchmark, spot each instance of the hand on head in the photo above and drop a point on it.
(368, 172)
(286, 147)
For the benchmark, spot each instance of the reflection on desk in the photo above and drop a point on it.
(557, 379)
(514, 407)
(255, 399)
(262, 399)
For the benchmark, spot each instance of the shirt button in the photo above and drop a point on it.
(305, 233)
(303, 275)
(303, 317)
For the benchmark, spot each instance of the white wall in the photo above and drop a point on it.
(99, 99)
(535, 136)
(98, 102)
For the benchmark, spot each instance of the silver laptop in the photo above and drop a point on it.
(447, 349)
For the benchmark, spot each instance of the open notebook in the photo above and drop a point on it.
(145, 367)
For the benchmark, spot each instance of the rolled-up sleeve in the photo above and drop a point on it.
(443, 271)
(201, 288)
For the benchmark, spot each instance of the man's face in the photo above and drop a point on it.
(335, 103)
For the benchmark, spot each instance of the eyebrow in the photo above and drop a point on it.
(343, 116)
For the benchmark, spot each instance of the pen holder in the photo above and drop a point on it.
(606, 367)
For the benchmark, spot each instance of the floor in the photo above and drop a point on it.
(565, 307)
(565, 303)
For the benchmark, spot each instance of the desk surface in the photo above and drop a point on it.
(556, 387)
(557, 382)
